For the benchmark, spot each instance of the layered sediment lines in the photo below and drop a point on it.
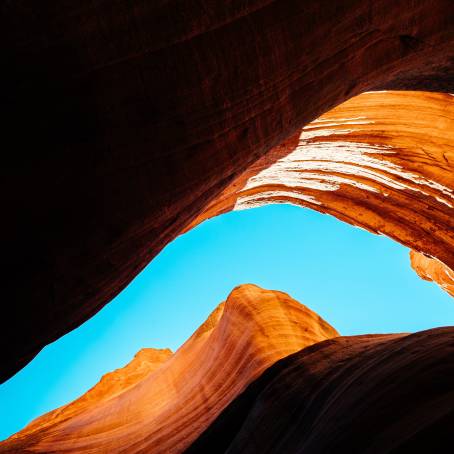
(111, 384)
(362, 394)
(383, 161)
(124, 120)
(147, 407)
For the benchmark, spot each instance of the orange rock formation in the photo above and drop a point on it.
(431, 269)
(383, 161)
(160, 403)
(112, 384)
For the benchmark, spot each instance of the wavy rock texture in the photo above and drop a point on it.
(112, 384)
(383, 161)
(431, 269)
(147, 408)
(125, 119)
(362, 394)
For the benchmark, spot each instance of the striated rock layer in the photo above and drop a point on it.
(161, 403)
(383, 161)
(123, 120)
(360, 395)
(112, 384)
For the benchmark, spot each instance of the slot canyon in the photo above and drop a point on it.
(127, 124)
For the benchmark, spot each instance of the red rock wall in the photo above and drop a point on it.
(123, 120)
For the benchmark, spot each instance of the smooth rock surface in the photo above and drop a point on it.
(161, 403)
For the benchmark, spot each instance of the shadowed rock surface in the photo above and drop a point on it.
(160, 403)
(124, 120)
(362, 394)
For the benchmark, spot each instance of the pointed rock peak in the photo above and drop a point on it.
(153, 354)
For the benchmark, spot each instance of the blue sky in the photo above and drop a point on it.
(359, 282)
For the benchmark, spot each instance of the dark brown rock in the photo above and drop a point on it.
(124, 119)
(361, 394)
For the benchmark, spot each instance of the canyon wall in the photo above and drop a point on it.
(361, 395)
(160, 403)
(124, 120)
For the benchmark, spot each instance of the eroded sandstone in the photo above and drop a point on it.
(161, 403)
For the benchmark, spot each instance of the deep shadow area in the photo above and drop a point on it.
(363, 394)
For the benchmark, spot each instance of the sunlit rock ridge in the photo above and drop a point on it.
(160, 403)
